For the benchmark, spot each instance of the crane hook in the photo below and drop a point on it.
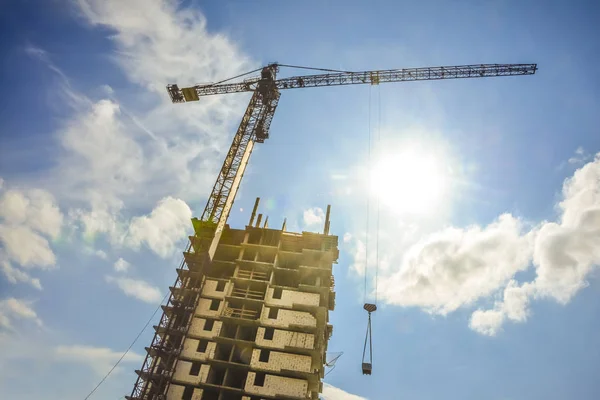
(367, 367)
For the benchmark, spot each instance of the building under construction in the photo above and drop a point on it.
(261, 325)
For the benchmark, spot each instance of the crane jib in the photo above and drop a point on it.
(193, 93)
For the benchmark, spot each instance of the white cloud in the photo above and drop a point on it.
(456, 267)
(513, 307)
(565, 252)
(107, 89)
(580, 157)
(13, 207)
(121, 265)
(26, 247)
(459, 267)
(487, 322)
(159, 41)
(99, 359)
(137, 288)
(516, 301)
(28, 218)
(356, 246)
(359, 256)
(136, 152)
(90, 251)
(12, 309)
(313, 217)
(97, 141)
(34, 208)
(15, 275)
(100, 219)
(166, 225)
(331, 392)
(101, 254)
(121, 155)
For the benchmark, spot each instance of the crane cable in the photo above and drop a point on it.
(126, 351)
(314, 68)
(279, 65)
(367, 363)
(378, 196)
(369, 173)
(234, 77)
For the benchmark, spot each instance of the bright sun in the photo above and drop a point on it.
(409, 182)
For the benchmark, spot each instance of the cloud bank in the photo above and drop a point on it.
(465, 267)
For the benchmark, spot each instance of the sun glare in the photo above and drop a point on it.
(409, 182)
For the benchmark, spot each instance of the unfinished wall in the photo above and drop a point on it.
(190, 349)
(277, 386)
(278, 361)
(204, 308)
(176, 393)
(198, 328)
(282, 338)
(210, 289)
(185, 374)
(291, 297)
(287, 318)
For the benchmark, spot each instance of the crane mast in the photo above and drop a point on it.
(253, 128)
(155, 376)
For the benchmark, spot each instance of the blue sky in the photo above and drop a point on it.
(489, 290)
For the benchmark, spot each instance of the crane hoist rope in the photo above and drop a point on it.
(156, 373)
(377, 230)
(367, 357)
(369, 176)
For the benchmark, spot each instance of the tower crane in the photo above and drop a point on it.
(159, 364)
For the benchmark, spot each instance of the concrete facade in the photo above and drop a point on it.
(178, 392)
(290, 298)
(286, 318)
(198, 328)
(191, 346)
(277, 361)
(260, 327)
(282, 339)
(211, 289)
(184, 372)
(277, 386)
